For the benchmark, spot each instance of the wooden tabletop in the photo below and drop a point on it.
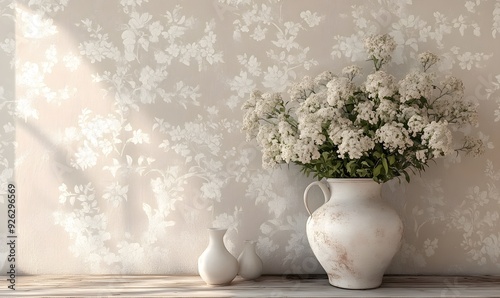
(266, 286)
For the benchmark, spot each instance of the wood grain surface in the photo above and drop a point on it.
(266, 286)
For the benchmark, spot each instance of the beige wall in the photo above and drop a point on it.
(127, 121)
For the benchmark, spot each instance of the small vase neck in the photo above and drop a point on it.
(250, 245)
(216, 236)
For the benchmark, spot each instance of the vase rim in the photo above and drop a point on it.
(217, 229)
(349, 179)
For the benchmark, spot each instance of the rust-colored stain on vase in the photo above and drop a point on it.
(340, 259)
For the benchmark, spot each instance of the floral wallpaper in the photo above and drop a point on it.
(121, 130)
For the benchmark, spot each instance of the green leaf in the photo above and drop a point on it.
(386, 167)
(351, 166)
(392, 159)
(407, 177)
(363, 172)
(376, 171)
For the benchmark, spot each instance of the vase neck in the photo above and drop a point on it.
(216, 236)
(354, 189)
(250, 245)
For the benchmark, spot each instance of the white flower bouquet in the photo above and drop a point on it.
(381, 128)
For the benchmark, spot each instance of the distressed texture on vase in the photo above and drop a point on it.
(355, 234)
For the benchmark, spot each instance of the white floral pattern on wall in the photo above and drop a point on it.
(127, 120)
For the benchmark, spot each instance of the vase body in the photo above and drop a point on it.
(216, 265)
(354, 234)
(250, 263)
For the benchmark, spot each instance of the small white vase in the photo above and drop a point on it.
(355, 234)
(250, 262)
(216, 265)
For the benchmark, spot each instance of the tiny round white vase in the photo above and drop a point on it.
(250, 263)
(216, 265)
(355, 234)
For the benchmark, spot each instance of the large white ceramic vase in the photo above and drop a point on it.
(354, 234)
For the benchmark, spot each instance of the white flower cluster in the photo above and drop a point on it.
(354, 144)
(378, 128)
(437, 136)
(427, 59)
(394, 137)
(268, 137)
(380, 48)
(340, 89)
(415, 85)
(260, 106)
(380, 85)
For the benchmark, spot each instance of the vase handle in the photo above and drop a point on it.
(324, 189)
